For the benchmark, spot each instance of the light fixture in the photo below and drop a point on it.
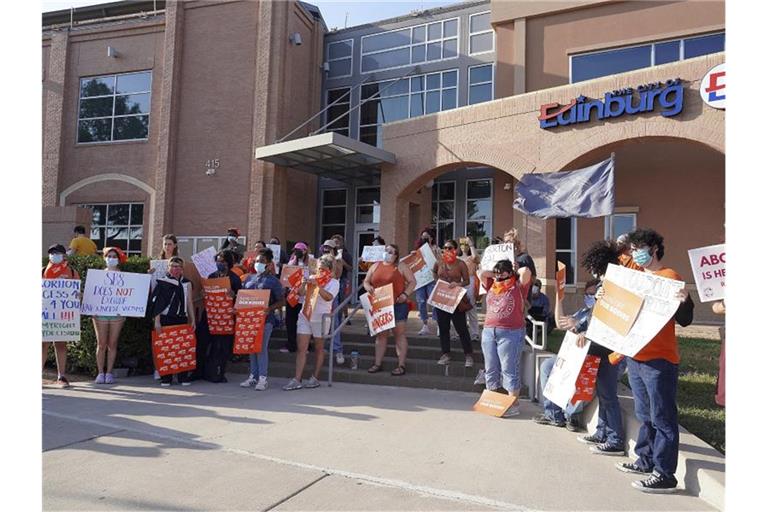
(111, 52)
(295, 38)
(507, 186)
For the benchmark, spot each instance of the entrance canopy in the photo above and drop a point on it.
(329, 155)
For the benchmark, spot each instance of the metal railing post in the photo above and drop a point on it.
(335, 329)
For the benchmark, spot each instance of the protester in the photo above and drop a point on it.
(330, 247)
(248, 261)
(345, 281)
(310, 324)
(108, 327)
(81, 245)
(454, 271)
(653, 374)
(399, 275)
(422, 294)
(299, 257)
(504, 327)
(469, 256)
(539, 308)
(238, 268)
(522, 258)
(625, 256)
(58, 268)
(264, 278)
(283, 256)
(171, 304)
(232, 243)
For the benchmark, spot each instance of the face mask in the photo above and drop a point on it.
(222, 267)
(389, 257)
(232, 239)
(176, 273)
(56, 258)
(111, 262)
(535, 289)
(299, 255)
(449, 255)
(589, 301)
(500, 279)
(260, 268)
(425, 237)
(642, 257)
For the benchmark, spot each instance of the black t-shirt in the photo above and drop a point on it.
(347, 257)
(524, 260)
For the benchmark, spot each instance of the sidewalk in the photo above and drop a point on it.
(217, 446)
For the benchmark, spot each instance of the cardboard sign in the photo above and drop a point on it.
(219, 306)
(249, 329)
(310, 299)
(205, 262)
(618, 308)
(708, 265)
(421, 263)
(659, 305)
(289, 273)
(373, 253)
(276, 252)
(561, 384)
(159, 269)
(585, 382)
(444, 297)
(115, 293)
(560, 279)
(492, 255)
(61, 309)
(252, 299)
(379, 309)
(493, 403)
(174, 349)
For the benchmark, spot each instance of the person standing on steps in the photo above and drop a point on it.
(422, 294)
(454, 271)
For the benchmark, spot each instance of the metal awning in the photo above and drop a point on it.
(329, 155)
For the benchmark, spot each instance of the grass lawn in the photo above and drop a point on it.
(698, 412)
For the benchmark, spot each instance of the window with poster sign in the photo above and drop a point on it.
(118, 225)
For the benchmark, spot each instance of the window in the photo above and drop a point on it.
(565, 247)
(334, 214)
(340, 58)
(603, 63)
(118, 225)
(338, 110)
(619, 223)
(413, 45)
(481, 36)
(114, 107)
(443, 209)
(479, 212)
(368, 207)
(404, 98)
(480, 84)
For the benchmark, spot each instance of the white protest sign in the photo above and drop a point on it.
(373, 253)
(379, 309)
(562, 380)
(159, 268)
(115, 293)
(659, 305)
(708, 264)
(61, 310)
(276, 250)
(205, 262)
(421, 263)
(492, 255)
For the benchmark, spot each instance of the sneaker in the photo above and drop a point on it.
(165, 384)
(424, 331)
(657, 484)
(632, 467)
(109, 379)
(444, 360)
(156, 376)
(480, 379)
(261, 385)
(476, 339)
(292, 384)
(590, 439)
(607, 449)
(572, 424)
(250, 381)
(99, 379)
(62, 382)
(339, 358)
(312, 383)
(543, 419)
(469, 362)
(512, 411)
(284, 350)
(186, 383)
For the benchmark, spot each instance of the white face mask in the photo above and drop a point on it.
(56, 258)
(111, 262)
(389, 257)
(232, 239)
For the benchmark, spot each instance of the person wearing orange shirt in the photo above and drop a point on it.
(653, 374)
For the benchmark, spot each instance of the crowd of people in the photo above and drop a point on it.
(513, 293)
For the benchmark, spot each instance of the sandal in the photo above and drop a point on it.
(375, 368)
(400, 370)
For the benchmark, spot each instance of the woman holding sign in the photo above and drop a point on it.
(399, 275)
(423, 293)
(299, 257)
(108, 327)
(454, 271)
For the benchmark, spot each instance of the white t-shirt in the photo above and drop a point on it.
(323, 306)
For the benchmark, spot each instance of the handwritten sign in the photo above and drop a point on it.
(61, 310)
(444, 297)
(159, 269)
(561, 384)
(618, 308)
(379, 309)
(174, 349)
(421, 263)
(205, 261)
(585, 382)
(219, 306)
(115, 293)
(373, 253)
(276, 251)
(708, 265)
(560, 279)
(493, 403)
(659, 304)
(492, 255)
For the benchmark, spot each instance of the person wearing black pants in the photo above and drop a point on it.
(460, 324)
(291, 321)
(453, 271)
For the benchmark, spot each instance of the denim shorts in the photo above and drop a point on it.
(401, 312)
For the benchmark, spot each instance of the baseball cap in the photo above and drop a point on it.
(57, 249)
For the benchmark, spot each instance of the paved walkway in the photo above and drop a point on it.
(137, 446)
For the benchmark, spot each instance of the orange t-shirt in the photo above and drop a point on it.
(664, 344)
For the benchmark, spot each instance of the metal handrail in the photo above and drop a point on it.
(335, 329)
(538, 327)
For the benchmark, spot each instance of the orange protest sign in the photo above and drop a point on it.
(249, 329)
(585, 382)
(219, 306)
(494, 404)
(174, 349)
(618, 308)
(289, 275)
(415, 261)
(379, 309)
(313, 290)
(444, 297)
(252, 299)
(560, 277)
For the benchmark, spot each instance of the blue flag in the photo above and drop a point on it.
(587, 192)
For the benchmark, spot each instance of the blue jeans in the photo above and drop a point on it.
(337, 338)
(654, 388)
(502, 349)
(260, 361)
(551, 409)
(610, 427)
(422, 294)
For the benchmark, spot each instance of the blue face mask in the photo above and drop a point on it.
(260, 268)
(642, 256)
(589, 301)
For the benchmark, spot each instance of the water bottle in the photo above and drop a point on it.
(354, 358)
